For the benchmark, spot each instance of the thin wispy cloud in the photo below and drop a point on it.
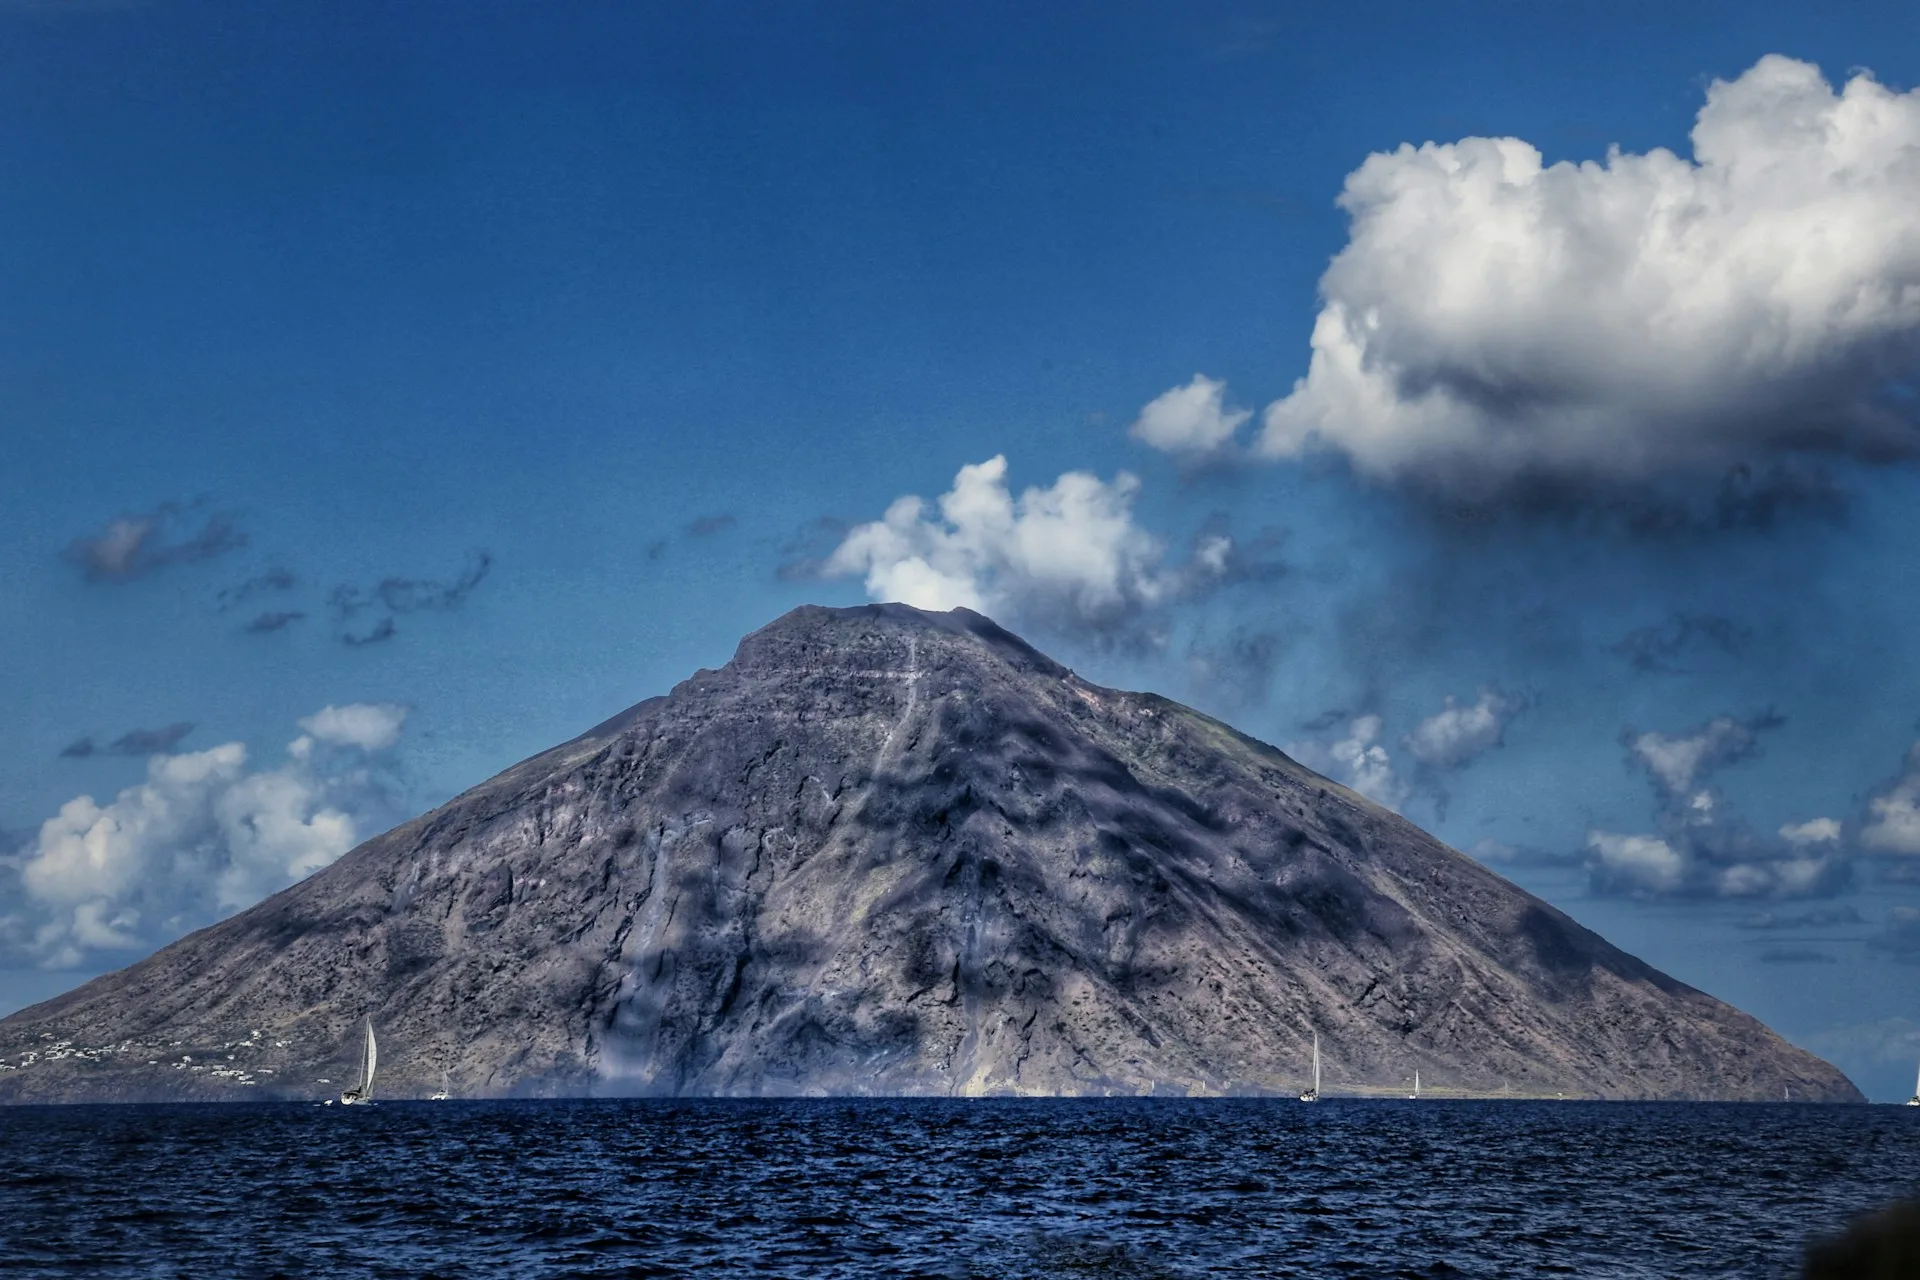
(1237, 662)
(1795, 955)
(1899, 935)
(130, 547)
(270, 622)
(134, 742)
(411, 595)
(1665, 648)
(266, 582)
(698, 529)
(393, 597)
(381, 632)
(1817, 918)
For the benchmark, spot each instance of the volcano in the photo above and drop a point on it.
(888, 851)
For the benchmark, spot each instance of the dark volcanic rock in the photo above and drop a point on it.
(888, 851)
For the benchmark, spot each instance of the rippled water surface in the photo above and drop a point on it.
(939, 1188)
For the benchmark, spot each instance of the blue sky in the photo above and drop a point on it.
(545, 352)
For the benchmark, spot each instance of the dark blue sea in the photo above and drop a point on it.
(1004, 1188)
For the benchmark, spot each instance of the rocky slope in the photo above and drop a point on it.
(888, 851)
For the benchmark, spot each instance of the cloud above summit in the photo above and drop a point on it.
(1067, 555)
(1497, 324)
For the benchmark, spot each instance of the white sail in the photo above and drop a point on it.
(1416, 1082)
(369, 1059)
(373, 1057)
(1316, 1062)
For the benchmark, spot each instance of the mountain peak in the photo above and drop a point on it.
(837, 634)
(886, 850)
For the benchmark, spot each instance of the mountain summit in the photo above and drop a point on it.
(891, 851)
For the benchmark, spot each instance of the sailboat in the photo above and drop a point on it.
(444, 1092)
(1313, 1094)
(1415, 1095)
(369, 1055)
(1914, 1101)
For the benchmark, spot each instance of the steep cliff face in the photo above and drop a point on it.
(888, 851)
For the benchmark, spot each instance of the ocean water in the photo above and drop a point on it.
(999, 1188)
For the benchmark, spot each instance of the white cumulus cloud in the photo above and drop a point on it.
(1189, 419)
(89, 850)
(1701, 849)
(370, 726)
(1357, 759)
(1811, 832)
(1495, 320)
(1453, 736)
(1893, 816)
(1450, 739)
(204, 834)
(1068, 554)
(1675, 762)
(1645, 863)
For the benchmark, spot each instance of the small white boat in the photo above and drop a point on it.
(1914, 1101)
(1415, 1095)
(444, 1092)
(369, 1057)
(1313, 1094)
